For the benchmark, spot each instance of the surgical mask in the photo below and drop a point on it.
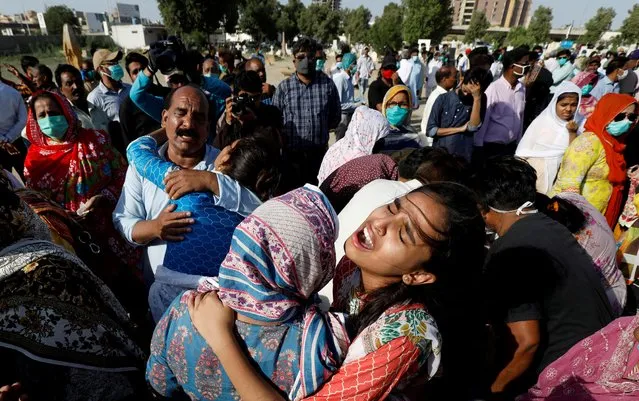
(54, 126)
(223, 69)
(211, 75)
(585, 90)
(441, 58)
(524, 70)
(415, 58)
(87, 75)
(519, 211)
(116, 72)
(396, 115)
(562, 61)
(304, 67)
(618, 128)
(319, 65)
(623, 76)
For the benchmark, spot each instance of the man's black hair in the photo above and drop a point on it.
(28, 61)
(46, 71)
(618, 62)
(248, 81)
(305, 44)
(514, 56)
(66, 68)
(505, 183)
(134, 57)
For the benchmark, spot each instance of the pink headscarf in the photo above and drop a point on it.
(588, 103)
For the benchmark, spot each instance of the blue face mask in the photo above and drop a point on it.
(116, 72)
(319, 65)
(53, 126)
(618, 128)
(562, 61)
(586, 89)
(396, 115)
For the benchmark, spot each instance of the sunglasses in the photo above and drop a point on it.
(632, 117)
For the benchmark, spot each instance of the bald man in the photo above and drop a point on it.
(255, 64)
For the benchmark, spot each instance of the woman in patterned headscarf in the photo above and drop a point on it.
(63, 334)
(280, 256)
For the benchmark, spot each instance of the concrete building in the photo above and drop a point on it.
(91, 23)
(334, 4)
(503, 13)
(137, 36)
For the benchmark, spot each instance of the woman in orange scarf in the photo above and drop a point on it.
(593, 164)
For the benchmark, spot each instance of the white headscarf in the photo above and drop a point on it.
(547, 137)
(366, 127)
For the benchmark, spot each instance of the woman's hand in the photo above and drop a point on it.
(182, 182)
(214, 321)
(96, 202)
(572, 126)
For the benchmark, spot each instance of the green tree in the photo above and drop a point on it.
(426, 19)
(206, 16)
(55, 17)
(288, 17)
(540, 24)
(518, 36)
(258, 19)
(497, 39)
(387, 29)
(356, 25)
(478, 27)
(630, 27)
(598, 24)
(320, 21)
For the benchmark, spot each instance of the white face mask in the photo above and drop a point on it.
(623, 75)
(519, 211)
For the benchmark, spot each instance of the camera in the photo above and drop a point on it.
(167, 55)
(241, 103)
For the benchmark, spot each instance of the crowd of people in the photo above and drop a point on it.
(203, 239)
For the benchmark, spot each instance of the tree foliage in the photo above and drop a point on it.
(206, 16)
(630, 27)
(540, 24)
(55, 17)
(356, 25)
(320, 22)
(288, 18)
(497, 39)
(598, 24)
(477, 28)
(258, 18)
(518, 36)
(386, 32)
(426, 19)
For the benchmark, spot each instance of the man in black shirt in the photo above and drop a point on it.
(387, 78)
(133, 121)
(543, 292)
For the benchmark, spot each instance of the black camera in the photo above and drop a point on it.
(241, 103)
(167, 55)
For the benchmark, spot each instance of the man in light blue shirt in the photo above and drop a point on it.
(106, 98)
(615, 72)
(565, 70)
(143, 214)
(13, 118)
(344, 83)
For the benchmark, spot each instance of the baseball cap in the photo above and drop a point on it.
(634, 55)
(104, 55)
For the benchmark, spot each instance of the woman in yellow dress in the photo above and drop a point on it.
(593, 164)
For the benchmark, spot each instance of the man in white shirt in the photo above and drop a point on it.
(464, 63)
(445, 78)
(365, 68)
(13, 118)
(433, 66)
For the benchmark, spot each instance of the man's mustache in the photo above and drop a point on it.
(187, 132)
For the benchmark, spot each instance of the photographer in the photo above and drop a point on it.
(245, 112)
(181, 67)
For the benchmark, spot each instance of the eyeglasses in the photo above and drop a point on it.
(403, 105)
(632, 117)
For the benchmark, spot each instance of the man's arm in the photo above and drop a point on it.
(526, 334)
(142, 97)
(334, 107)
(475, 115)
(479, 136)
